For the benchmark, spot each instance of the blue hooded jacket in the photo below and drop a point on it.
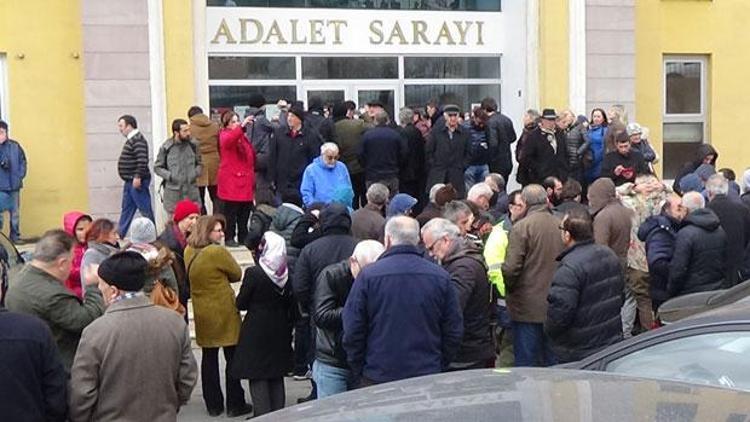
(320, 182)
(12, 166)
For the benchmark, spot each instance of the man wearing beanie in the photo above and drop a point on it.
(293, 148)
(174, 236)
(134, 346)
(142, 230)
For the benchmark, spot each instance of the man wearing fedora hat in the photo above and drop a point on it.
(544, 153)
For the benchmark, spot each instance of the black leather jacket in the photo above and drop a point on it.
(332, 289)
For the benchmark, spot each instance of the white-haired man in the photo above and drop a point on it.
(699, 260)
(465, 263)
(331, 371)
(735, 220)
(401, 318)
(481, 195)
(324, 176)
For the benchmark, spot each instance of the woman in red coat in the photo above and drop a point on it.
(236, 177)
(76, 223)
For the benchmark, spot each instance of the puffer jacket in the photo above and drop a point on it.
(596, 147)
(283, 223)
(659, 234)
(333, 286)
(735, 220)
(335, 244)
(575, 138)
(468, 271)
(699, 260)
(584, 301)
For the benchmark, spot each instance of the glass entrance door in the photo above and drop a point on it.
(327, 95)
(386, 95)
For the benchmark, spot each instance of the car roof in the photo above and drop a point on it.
(522, 394)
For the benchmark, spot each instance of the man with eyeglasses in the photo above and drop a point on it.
(464, 262)
(527, 272)
(585, 297)
(448, 151)
(324, 176)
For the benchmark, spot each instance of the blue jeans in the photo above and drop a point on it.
(475, 174)
(332, 380)
(134, 200)
(531, 346)
(9, 202)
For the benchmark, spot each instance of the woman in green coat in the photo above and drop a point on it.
(211, 269)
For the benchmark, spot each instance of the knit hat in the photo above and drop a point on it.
(142, 230)
(633, 128)
(299, 112)
(185, 208)
(690, 183)
(704, 171)
(256, 100)
(400, 205)
(124, 270)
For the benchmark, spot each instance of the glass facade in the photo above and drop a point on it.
(395, 81)
(447, 5)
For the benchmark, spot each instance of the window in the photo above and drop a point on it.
(235, 98)
(461, 95)
(712, 358)
(251, 68)
(455, 5)
(3, 90)
(452, 67)
(684, 119)
(349, 68)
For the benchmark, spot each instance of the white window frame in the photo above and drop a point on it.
(701, 117)
(4, 107)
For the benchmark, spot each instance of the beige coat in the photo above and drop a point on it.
(217, 321)
(530, 263)
(612, 221)
(133, 364)
(206, 132)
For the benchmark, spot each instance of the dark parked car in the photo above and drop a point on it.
(687, 305)
(710, 348)
(10, 261)
(526, 394)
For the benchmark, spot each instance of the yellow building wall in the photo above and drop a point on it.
(178, 58)
(711, 28)
(554, 53)
(46, 106)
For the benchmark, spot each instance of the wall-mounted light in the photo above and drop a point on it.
(20, 56)
(75, 55)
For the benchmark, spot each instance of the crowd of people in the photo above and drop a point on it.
(382, 252)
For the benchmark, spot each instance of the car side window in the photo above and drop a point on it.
(712, 358)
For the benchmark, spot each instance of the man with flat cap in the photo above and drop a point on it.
(544, 151)
(135, 361)
(448, 151)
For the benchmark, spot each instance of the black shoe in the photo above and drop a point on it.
(215, 412)
(233, 413)
(305, 399)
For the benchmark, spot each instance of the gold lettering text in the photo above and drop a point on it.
(275, 31)
(243, 31)
(480, 29)
(295, 38)
(445, 33)
(224, 31)
(316, 31)
(396, 32)
(376, 30)
(337, 30)
(419, 28)
(462, 30)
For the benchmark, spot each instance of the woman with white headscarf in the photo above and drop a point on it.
(264, 353)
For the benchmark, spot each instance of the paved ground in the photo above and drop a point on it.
(195, 410)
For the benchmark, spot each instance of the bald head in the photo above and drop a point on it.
(534, 195)
(365, 253)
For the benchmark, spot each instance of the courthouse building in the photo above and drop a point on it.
(69, 68)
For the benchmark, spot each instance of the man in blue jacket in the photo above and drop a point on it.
(401, 319)
(12, 173)
(324, 176)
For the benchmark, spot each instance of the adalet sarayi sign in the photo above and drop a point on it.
(242, 30)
